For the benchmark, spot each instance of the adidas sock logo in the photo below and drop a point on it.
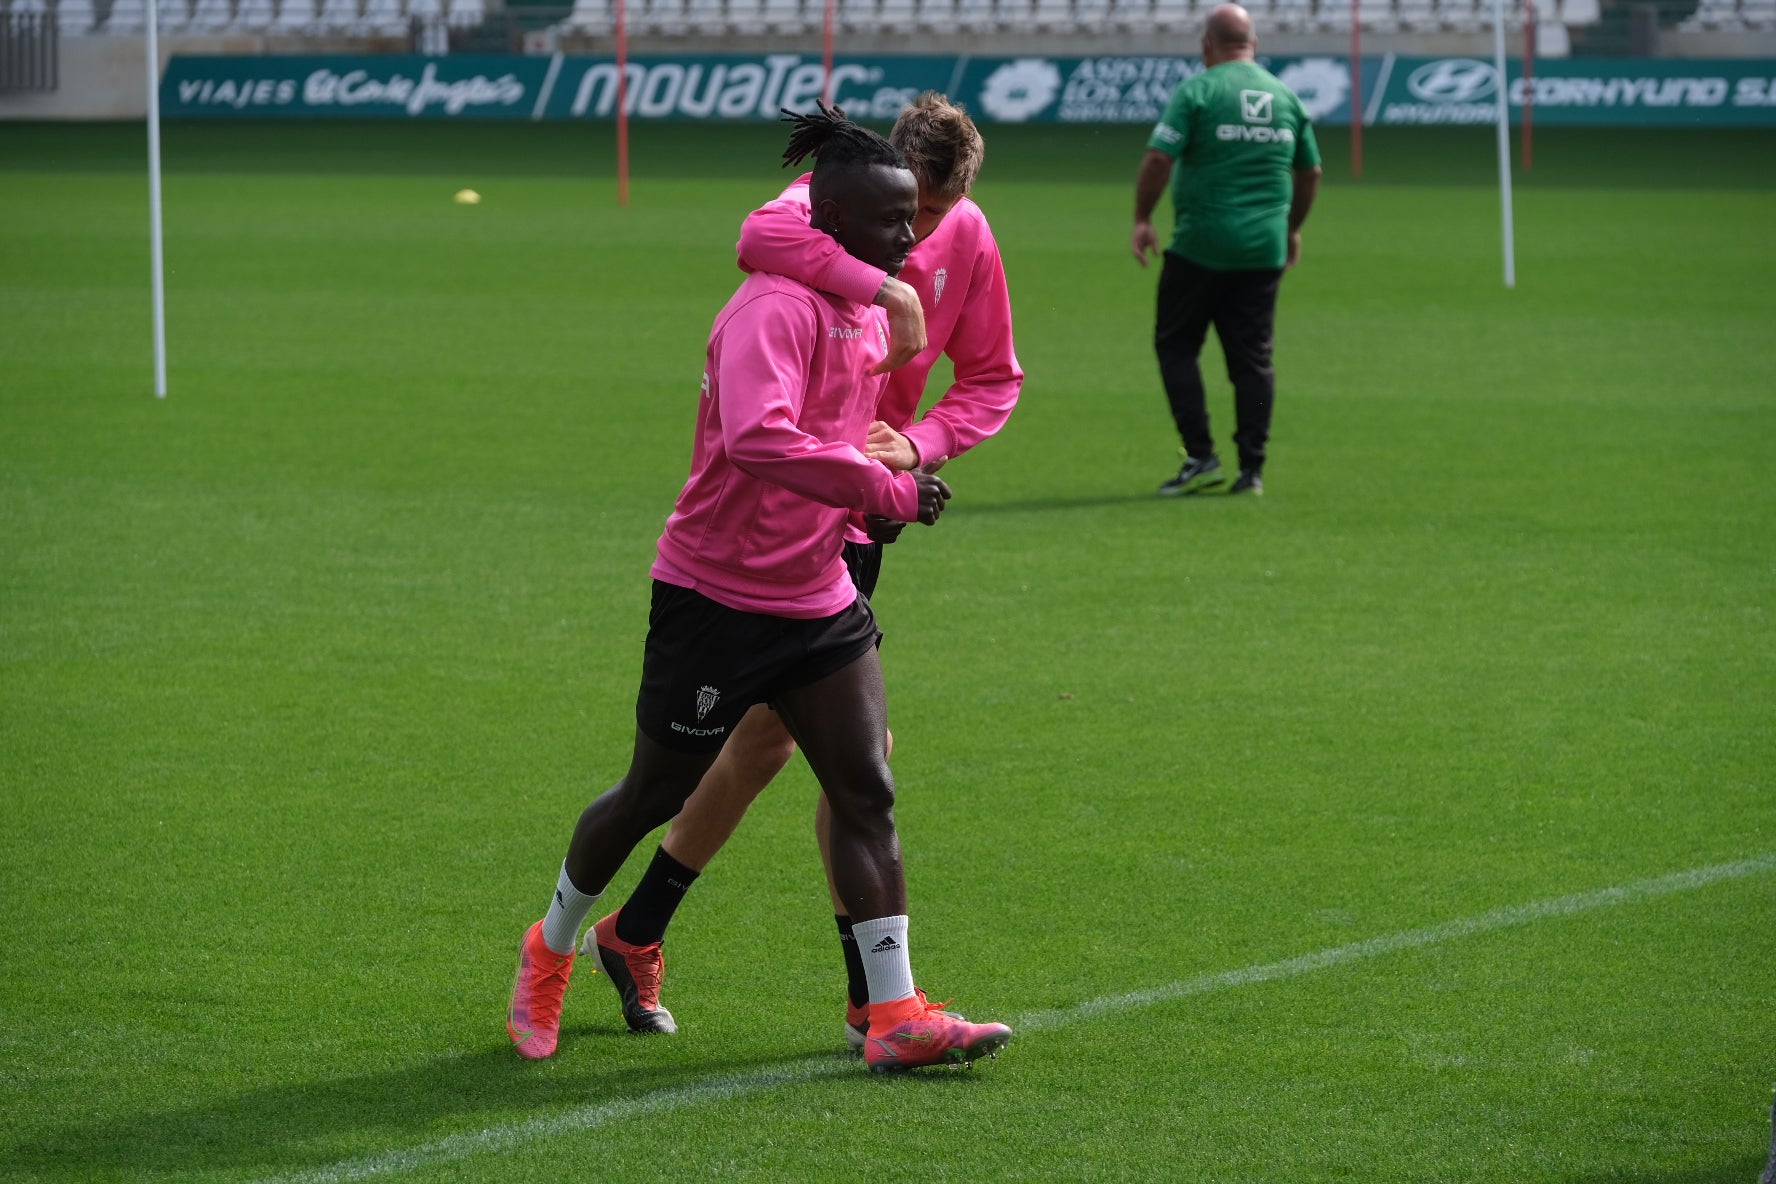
(884, 946)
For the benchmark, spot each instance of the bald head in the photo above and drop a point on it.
(1228, 35)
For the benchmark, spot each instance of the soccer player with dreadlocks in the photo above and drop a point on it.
(753, 603)
(954, 293)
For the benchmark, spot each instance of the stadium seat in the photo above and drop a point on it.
(465, 14)
(937, 16)
(253, 16)
(126, 16)
(294, 17)
(976, 16)
(1092, 16)
(664, 17)
(589, 18)
(1758, 14)
(210, 16)
(430, 34)
(382, 18)
(1133, 16)
(75, 17)
(746, 17)
(705, 16)
(1579, 13)
(1173, 16)
(1460, 15)
(1052, 16)
(1710, 15)
(172, 16)
(1015, 16)
(784, 16)
(1417, 16)
(339, 16)
(1552, 40)
(1293, 15)
(857, 16)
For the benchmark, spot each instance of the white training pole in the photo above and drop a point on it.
(159, 278)
(1504, 138)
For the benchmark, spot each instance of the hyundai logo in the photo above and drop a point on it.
(1452, 80)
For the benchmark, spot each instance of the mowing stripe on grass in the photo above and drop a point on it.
(716, 1089)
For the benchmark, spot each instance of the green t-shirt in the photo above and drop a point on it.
(1237, 135)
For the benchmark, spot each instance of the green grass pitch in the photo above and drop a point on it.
(1284, 828)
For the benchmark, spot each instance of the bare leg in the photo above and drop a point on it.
(841, 722)
(755, 753)
(823, 835)
(656, 785)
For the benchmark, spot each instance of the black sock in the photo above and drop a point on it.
(644, 916)
(857, 984)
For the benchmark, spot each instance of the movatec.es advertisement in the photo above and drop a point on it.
(1388, 89)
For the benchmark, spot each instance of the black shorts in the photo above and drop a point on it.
(864, 562)
(705, 663)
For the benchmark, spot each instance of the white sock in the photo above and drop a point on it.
(882, 943)
(567, 912)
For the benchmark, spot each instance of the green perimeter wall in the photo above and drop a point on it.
(1388, 89)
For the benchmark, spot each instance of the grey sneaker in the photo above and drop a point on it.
(1194, 476)
(1248, 482)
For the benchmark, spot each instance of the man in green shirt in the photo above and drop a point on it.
(1239, 152)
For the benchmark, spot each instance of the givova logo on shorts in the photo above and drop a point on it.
(707, 697)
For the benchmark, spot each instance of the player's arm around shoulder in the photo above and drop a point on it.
(778, 238)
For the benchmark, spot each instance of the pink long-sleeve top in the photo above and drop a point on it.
(961, 284)
(777, 467)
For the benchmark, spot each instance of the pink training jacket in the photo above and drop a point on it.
(778, 464)
(961, 284)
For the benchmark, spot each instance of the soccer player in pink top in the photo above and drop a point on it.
(955, 276)
(753, 603)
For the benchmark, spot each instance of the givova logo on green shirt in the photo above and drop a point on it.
(1257, 108)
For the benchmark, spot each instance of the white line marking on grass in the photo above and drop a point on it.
(1505, 918)
(717, 1089)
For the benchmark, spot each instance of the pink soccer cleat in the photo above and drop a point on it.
(915, 1033)
(534, 1020)
(857, 1018)
(636, 972)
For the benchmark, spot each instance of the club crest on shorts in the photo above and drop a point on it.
(706, 697)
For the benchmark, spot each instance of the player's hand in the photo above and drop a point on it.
(1294, 255)
(1144, 242)
(933, 493)
(882, 530)
(891, 448)
(906, 324)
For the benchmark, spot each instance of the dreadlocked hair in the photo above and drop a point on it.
(837, 144)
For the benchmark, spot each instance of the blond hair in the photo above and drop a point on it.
(940, 143)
